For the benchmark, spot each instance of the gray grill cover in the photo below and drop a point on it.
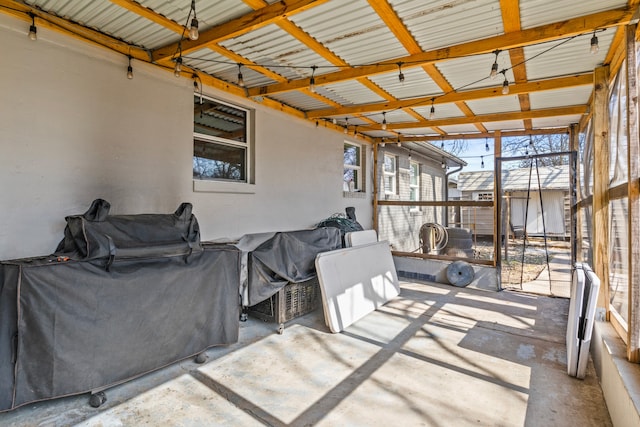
(77, 327)
(287, 257)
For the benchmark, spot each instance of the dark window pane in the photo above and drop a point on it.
(218, 161)
(351, 155)
(220, 120)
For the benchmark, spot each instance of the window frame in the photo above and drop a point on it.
(226, 184)
(393, 175)
(359, 181)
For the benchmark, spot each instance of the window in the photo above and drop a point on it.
(389, 172)
(414, 181)
(220, 146)
(483, 196)
(352, 174)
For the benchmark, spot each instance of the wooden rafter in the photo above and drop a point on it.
(510, 10)
(498, 117)
(554, 31)
(397, 27)
(235, 27)
(475, 94)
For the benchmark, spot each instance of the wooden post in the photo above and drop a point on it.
(574, 144)
(633, 162)
(507, 198)
(497, 205)
(374, 189)
(601, 148)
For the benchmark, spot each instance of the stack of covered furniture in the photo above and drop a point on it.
(279, 276)
(122, 295)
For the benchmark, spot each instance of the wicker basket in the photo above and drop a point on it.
(294, 300)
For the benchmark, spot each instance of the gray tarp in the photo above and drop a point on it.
(286, 257)
(78, 328)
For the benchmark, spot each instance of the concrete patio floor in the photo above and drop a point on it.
(435, 356)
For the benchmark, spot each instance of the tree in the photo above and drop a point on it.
(538, 144)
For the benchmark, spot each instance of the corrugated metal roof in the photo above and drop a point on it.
(551, 178)
(472, 72)
(557, 98)
(534, 13)
(563, 58)
(354, 32)
(441, 23)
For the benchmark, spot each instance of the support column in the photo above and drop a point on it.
(575, 232)
(497, 205)
(633, 167)
(600, 225)
(374, 188)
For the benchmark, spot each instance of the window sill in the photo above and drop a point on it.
(354, 194)
(203, 186)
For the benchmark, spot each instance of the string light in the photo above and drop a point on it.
(400, 75)
(193, 30)
(130, 70)
(505, 84)
(442, 144)
(355, 131)
(432, 113)
(486, 144)
(382, 144)
(178, 68)
(594, 44)
(240, 77)
(312, 80)
(494, 67)
(482, 162)
(317, 123)
(398, 143)
(409, 155)
(33, 30)
(346, 125)
(444, 164)
(335, 121)
(384, 120)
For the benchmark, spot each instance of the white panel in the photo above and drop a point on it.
(355, 281)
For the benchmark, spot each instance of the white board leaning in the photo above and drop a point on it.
(355, 281)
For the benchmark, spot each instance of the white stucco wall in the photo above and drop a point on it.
(73, 128)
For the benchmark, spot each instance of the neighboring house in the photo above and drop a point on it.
(515, 185)
(416, 171)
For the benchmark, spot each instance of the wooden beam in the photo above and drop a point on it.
(633, 176)
(481, 135)
(474, 94)
(574, 173)
(497, 117)
(497, 208)
(61, 25)
(138, 9)
(554, 31)
(437, 203)
(238, 26)
(600, 225)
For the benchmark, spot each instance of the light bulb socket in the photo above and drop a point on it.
(130, 72)
(193, 30)
(240, 80)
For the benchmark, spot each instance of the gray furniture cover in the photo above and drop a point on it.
(70, 325)
(287, 257)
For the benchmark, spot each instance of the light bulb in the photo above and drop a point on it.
(335, 121)
(130, 72)
(346, 130)
(594, 44)
(33, 33)
(486, 144)
(384, 121)
(193, 31)
(382, 144)
(178, 68)
(432, 113)
(505, 87)
(482, 162)
(312, 84)
(494, 70)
